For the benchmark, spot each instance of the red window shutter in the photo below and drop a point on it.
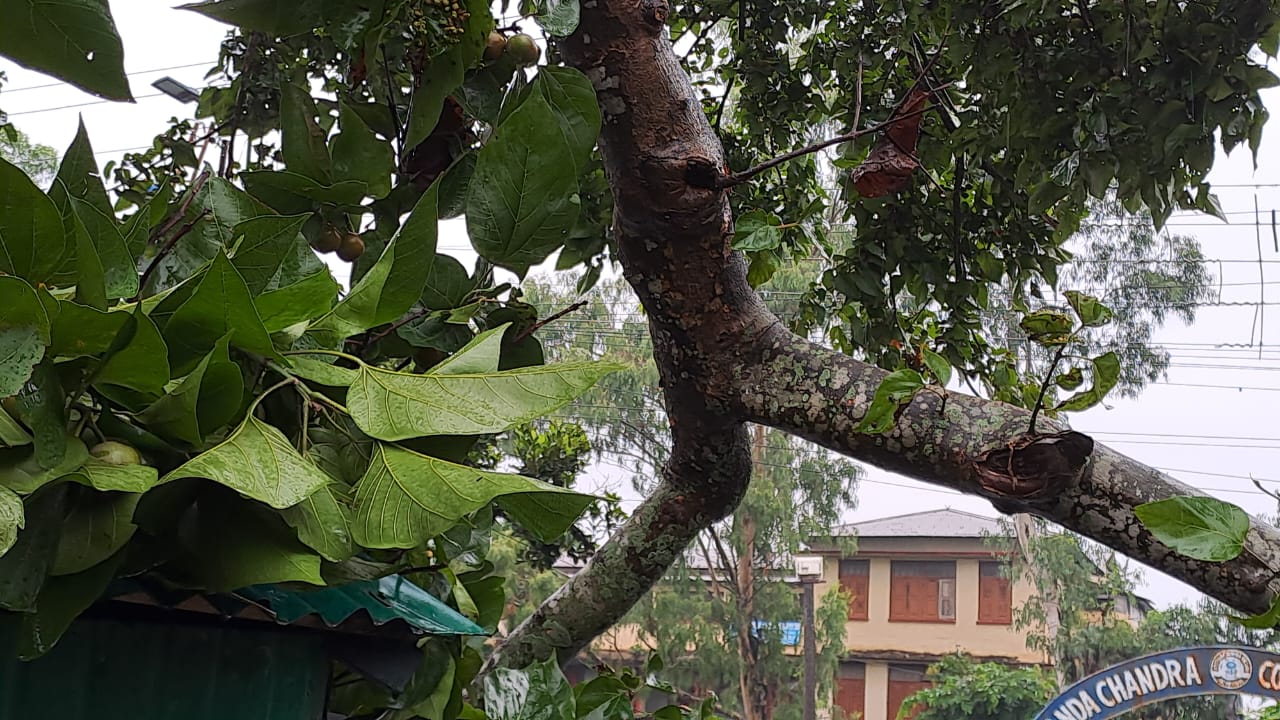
(900, 690)
(851, 696)
(899, 599)
(995, 600)
(858, 586)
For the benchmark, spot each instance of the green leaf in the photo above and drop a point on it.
(202, 402)
(538, 692)
(558, 17)
(78, 174)
(569, 94)
(96, 526)
(521, 202)
(258, 462)
(72, 40)
(938, 366)
(20, 307)
(24, 568)
(438, 81)
(119, 271)
(142, 364)
(1071, 379)
(1091, 312)
(20, 352)
(235, 546)
(302, 141)
(1265, 621)
(32, 236)
(894, 393)
(278, 18)
(1201, 528)
(128, 478)
(40, 406)
(392, 285)
(12, 518)
(757, 230)
(321, 522)
(405, 498)
(391, 405)
(22, 473)
(1047, 327)
(448, 284)
(311, 297)
(481, 355)
(359, 155)
(265, 243)
(1106, 373)
(291, 193)
(91, 284)
(61, 601)
(321, 372)
(12, 433)
(221, 305)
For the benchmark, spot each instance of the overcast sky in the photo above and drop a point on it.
(1211, 423)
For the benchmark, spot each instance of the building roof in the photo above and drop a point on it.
(931, 523)
(360, 608)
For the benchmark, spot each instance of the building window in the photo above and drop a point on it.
(923, 591)
(855, 576)
(851, 689)
(995, 594)
(904, 681)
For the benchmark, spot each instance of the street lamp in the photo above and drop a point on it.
(809, 572)
(176, 90)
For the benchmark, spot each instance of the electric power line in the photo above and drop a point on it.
(151, 71)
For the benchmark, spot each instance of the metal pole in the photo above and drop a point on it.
(810, 655)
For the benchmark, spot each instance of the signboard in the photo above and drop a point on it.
(789, 631)
(1210, 670)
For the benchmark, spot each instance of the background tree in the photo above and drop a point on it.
(966, 689)
(40, 162)
(1100, 620)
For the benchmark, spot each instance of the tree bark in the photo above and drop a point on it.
(725, 360)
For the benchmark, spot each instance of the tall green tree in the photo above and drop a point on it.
(976, 136)
(39, 162)
(966, 689)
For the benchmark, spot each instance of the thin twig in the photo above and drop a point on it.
(724, 99)
(397, 325)
(857, 96)
(741, 177)
(164, 250)
(1044, 386)
(182, 208)
(548, 320)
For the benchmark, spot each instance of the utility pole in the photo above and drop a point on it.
(810, 653)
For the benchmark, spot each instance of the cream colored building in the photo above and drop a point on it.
(925, 585)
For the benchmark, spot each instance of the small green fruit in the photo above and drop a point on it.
(116, 453)
(523, 49)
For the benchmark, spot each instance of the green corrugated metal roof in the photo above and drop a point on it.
(387, 600)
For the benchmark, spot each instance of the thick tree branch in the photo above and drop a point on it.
(821, 395)
(724, 360)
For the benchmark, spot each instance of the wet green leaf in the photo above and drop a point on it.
(1201, 528)
(200, 403)
(322, 523)
(391, 405)
(72, 40)
(405, 498)
(259, 462)
(1106, 373)
(12, 518)
(894, 392)
(96, 526)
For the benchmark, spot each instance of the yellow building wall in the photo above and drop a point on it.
(965, 634)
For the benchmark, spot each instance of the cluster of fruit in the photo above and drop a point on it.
(348, 245)
(453, 24)
(519, 47)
